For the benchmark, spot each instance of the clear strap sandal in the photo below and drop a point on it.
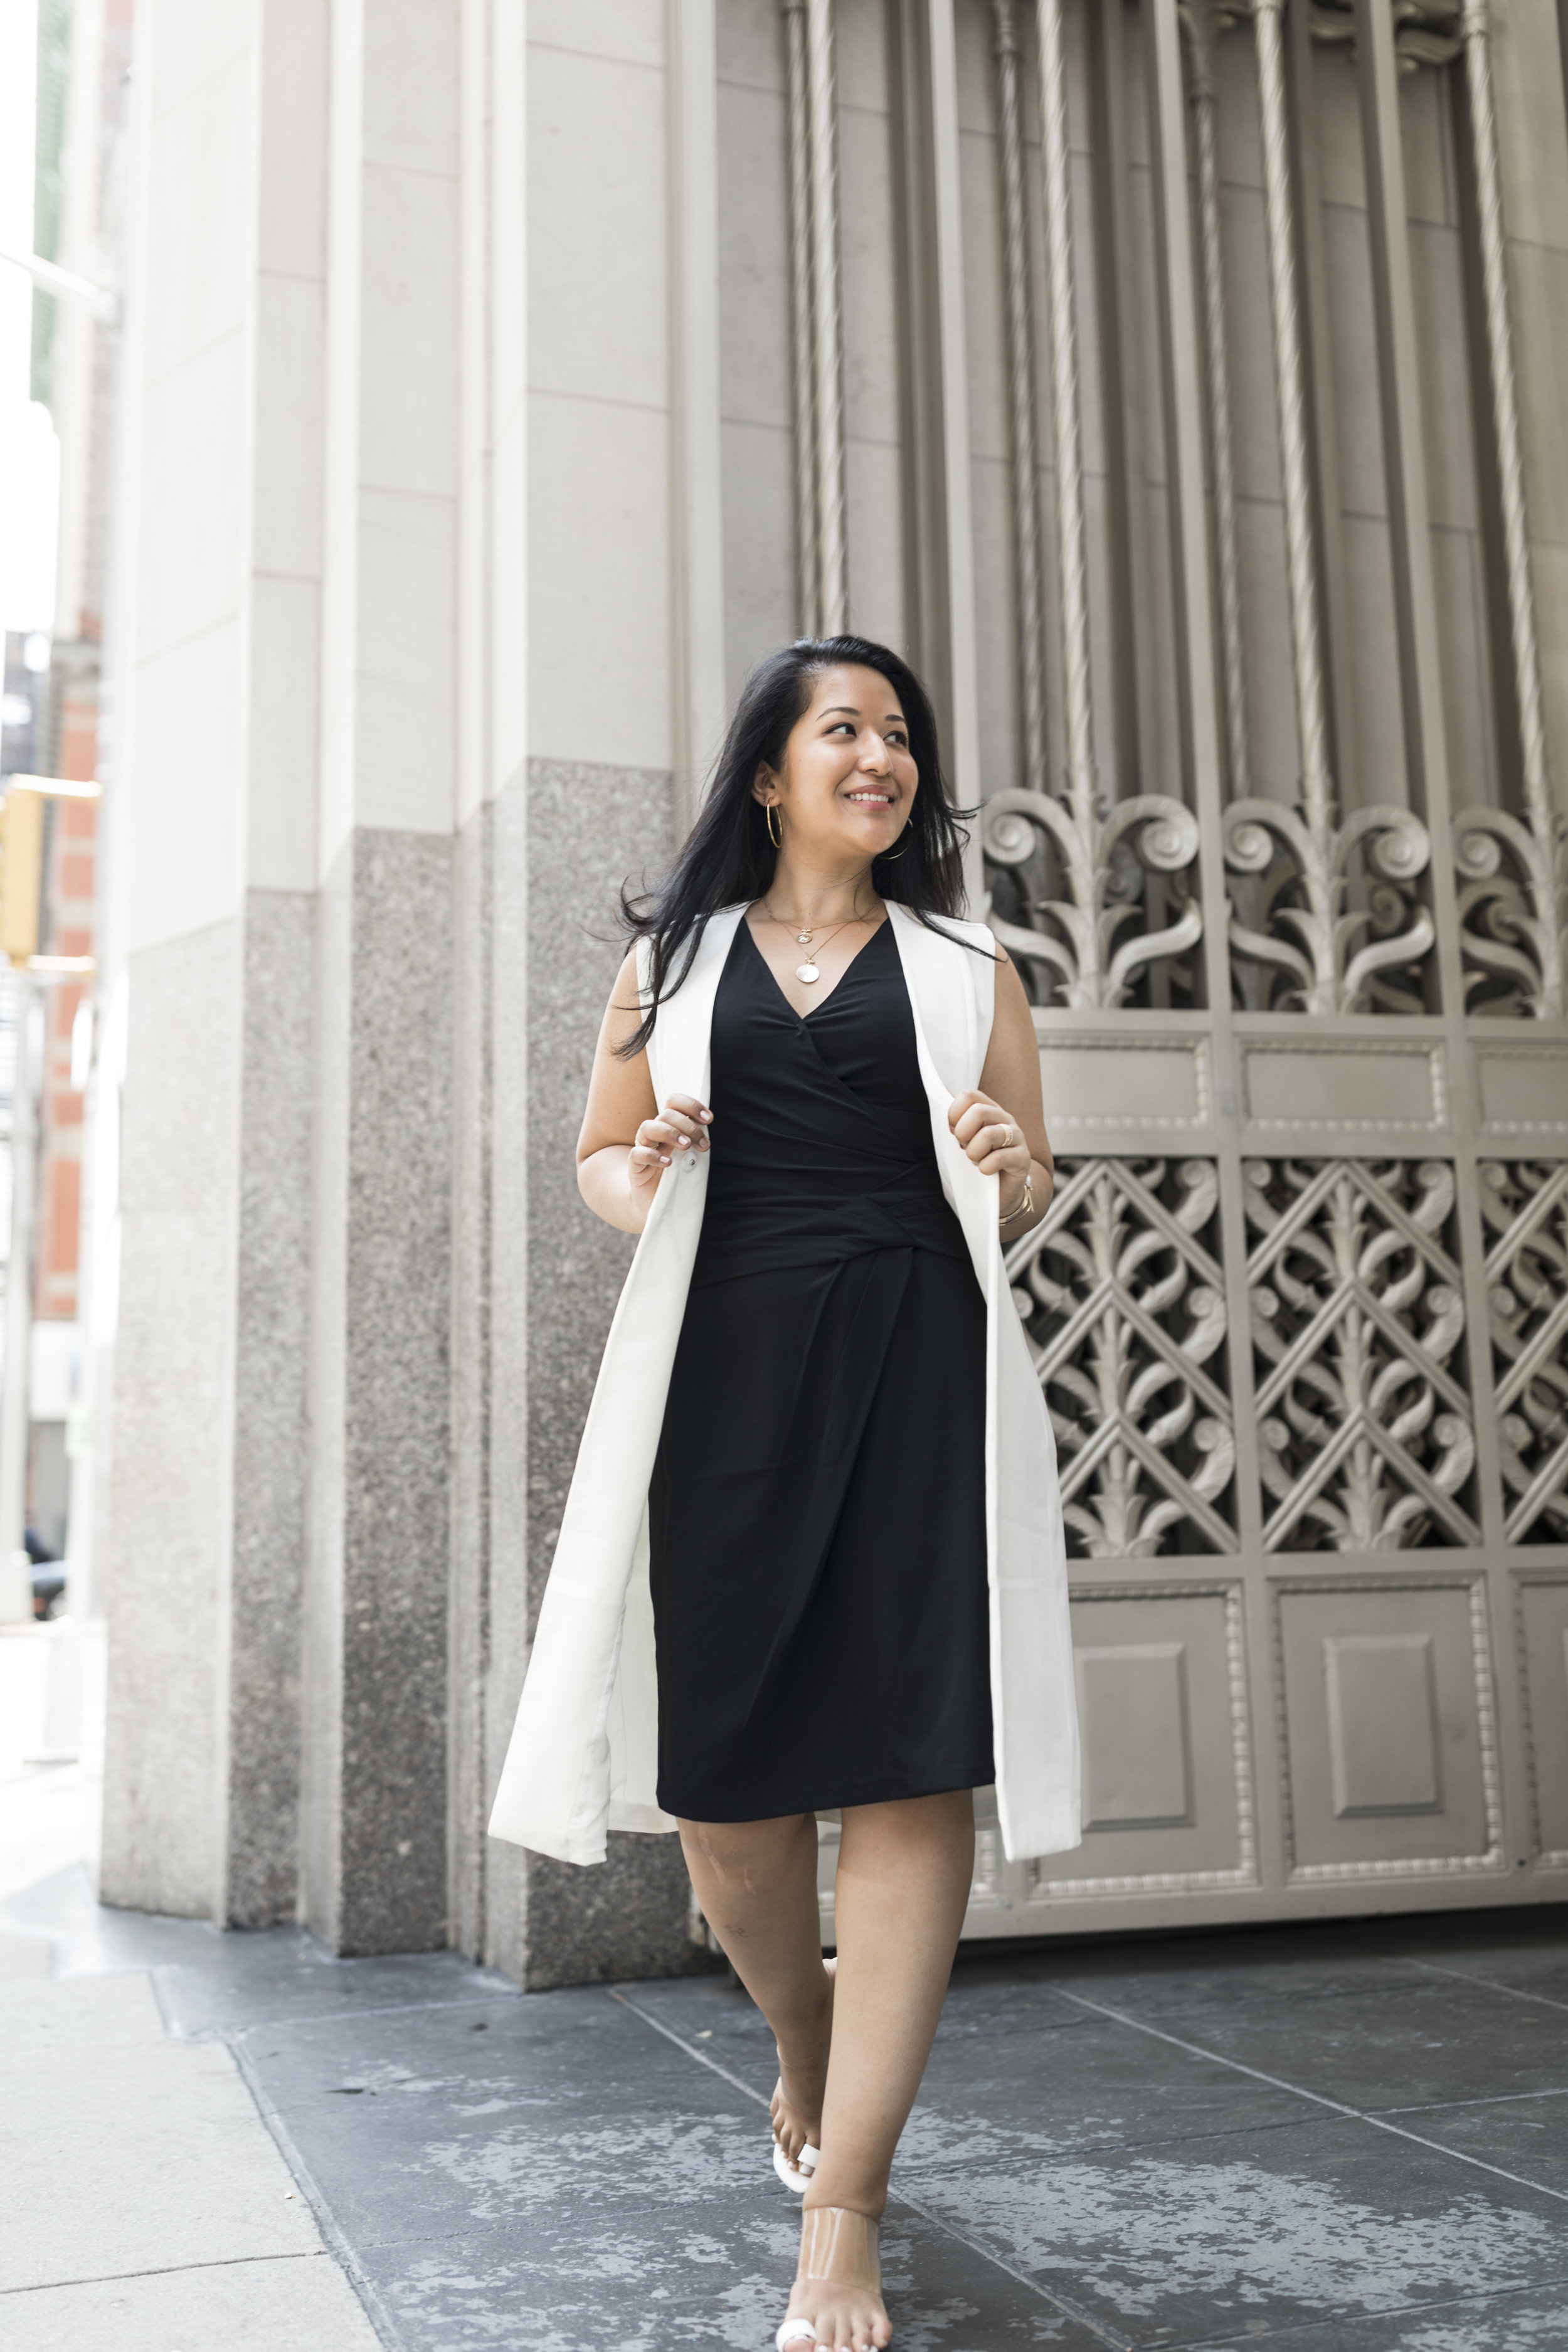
(841, 2247)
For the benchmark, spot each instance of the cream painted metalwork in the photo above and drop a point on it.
(1216, 542)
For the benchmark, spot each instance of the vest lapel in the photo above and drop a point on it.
(944, 1000)
(680, 1061)
(679, 1052)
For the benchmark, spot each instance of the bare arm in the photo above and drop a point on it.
(626, 1141)
(1009, 1090)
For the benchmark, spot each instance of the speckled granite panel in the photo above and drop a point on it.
(467, 1644)
(589, 830)
(166, 1553)
(505, 1867)
(398, 1407)
(627, 1918)
(487, 1640)
(375, 1771)
(272, 1318)
(322, 1628)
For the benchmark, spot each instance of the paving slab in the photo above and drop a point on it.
(1391, 2047)
(720, 2279)
(22, 1956)
(1534, 2322)
(300, 2305)
(1257, 2231)
(123, 2151)
(410, 2117)
(1525, 2137)
(1022, 2074)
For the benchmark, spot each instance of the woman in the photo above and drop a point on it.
(812, 1557)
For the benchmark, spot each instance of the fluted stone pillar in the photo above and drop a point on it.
(202, 1097)
(566, 791)
(372, 1842)
(400, 709)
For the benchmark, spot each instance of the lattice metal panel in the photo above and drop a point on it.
(1124, 1304)
(1524, 1208)
(1366, 1435)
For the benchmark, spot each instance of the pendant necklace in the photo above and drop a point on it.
(811, 970)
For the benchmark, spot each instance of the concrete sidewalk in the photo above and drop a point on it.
(146, 2206)
(1339, 2139)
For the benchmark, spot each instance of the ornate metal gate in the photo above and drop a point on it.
(1247, 671)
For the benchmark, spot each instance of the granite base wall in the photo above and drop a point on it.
(374, 1765)
(166, 1562)
(559, 845)
(272, 1289)
(364, 1307)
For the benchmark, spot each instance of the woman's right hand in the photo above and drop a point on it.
(680, 1127)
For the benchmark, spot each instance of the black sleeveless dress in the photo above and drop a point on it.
(817, 1507)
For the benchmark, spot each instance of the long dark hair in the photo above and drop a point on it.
(729, 856)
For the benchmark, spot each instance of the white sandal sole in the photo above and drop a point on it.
(797, 2177)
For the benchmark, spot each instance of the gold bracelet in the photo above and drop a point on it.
(1025, 1207)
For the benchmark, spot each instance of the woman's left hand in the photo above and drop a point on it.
(993, 1141)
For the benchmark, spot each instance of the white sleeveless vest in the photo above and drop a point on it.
(583, 1756)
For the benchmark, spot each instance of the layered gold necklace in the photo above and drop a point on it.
(811, 969)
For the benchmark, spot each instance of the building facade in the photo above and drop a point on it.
(1179, 387)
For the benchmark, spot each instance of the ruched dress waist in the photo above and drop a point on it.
(822, 1148)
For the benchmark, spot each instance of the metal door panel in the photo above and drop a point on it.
(1387, 1727)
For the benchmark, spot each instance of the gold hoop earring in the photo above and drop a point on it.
(769, 807)
(889, 854)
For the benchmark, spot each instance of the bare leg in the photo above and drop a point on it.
(904, 1871)
(756, 1882)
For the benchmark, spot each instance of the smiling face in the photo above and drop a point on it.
(847, 783)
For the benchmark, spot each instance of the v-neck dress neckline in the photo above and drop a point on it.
(821, 1001)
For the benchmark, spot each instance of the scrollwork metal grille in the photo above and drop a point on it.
(1425, 32)
(1124, 1306)
(1367, 1438)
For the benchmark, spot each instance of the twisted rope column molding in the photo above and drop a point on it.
(1308, 901)
(800, 317)
(816, 318)
(1089, 841)
(1202, 21)
(1071, 542)
(827, 319)
(1021, 402)
(1511, 924)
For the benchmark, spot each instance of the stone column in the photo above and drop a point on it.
(400, 700)
(372, 1846)
(204, 1089)
(566, 791)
